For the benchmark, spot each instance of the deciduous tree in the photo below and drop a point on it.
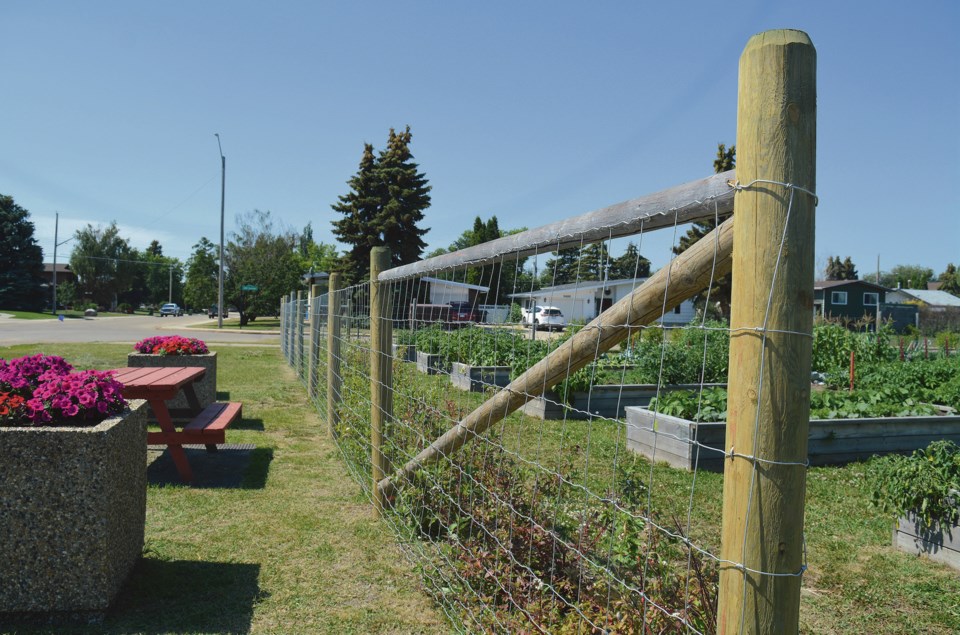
(203, 275)
(950, 280)
(99, 260)
(263, 257)
(21, 260)
(907, 277)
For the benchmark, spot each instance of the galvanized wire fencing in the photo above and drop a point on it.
(493, 402)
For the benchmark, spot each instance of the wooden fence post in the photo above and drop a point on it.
(283, 326)
(333, 354)
(770, 338)
(381, 366)
(298, 349)
(291, 326)
(314, 350)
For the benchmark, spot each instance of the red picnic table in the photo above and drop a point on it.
(158, 385)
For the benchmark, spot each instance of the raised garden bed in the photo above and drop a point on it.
(405, 352)
(603, 401)
(939, 543)
(430, 364)
(832, 442)
(478, 378)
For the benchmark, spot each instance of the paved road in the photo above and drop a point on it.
(125, 329)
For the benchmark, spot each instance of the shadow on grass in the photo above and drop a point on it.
(184, 596)
(247, 423)
(162, 596)
(232, 466)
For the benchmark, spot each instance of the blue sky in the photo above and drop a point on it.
(532, 111)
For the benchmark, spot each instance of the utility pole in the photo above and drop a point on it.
(223, 189)
(56, 231)
(170, 286)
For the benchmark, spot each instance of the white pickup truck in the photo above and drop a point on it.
(543, 317)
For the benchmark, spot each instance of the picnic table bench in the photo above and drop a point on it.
(158, 385)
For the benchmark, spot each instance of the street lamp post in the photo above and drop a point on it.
(223, 189)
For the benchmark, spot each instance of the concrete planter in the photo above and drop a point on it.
(405, 352)
(72, 512)
(206, 388)
(478, 378)
(940, 543)
(831, 442)
(430, 364)
(603, 401)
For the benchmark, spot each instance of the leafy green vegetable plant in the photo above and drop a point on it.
(926, 483)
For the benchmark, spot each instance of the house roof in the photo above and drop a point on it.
(582, 285)
(933, 298)
(451, 283)
(829, 284)
(62, 267)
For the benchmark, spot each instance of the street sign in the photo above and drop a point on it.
(249, 287)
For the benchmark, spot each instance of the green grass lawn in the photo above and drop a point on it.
(294, 549)
(260, 324)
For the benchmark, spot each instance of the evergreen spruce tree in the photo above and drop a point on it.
(720, 293)
(405, 196)
(563, 268)
(833, 271)
(360, 208)
(849, 271)
(630, 265)
(387, 199)
(594, 262)
(21, 260)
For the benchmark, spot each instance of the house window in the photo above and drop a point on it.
(838, 297)
(676, 309)
(871, 299)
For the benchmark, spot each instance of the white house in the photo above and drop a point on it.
(928, 297)
(585, 300)
(447, 291)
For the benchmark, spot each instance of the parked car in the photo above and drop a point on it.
(171, 309)
(463, 313)
(212, 312)
(548, 318)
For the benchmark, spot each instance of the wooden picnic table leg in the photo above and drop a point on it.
(177, 453)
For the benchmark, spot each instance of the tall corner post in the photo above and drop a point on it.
(333, 354)
(381, 367)
(762, 553)
(314, 349)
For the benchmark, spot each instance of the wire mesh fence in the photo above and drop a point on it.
(542, 436)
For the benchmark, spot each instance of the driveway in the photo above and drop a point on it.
(122, 329)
